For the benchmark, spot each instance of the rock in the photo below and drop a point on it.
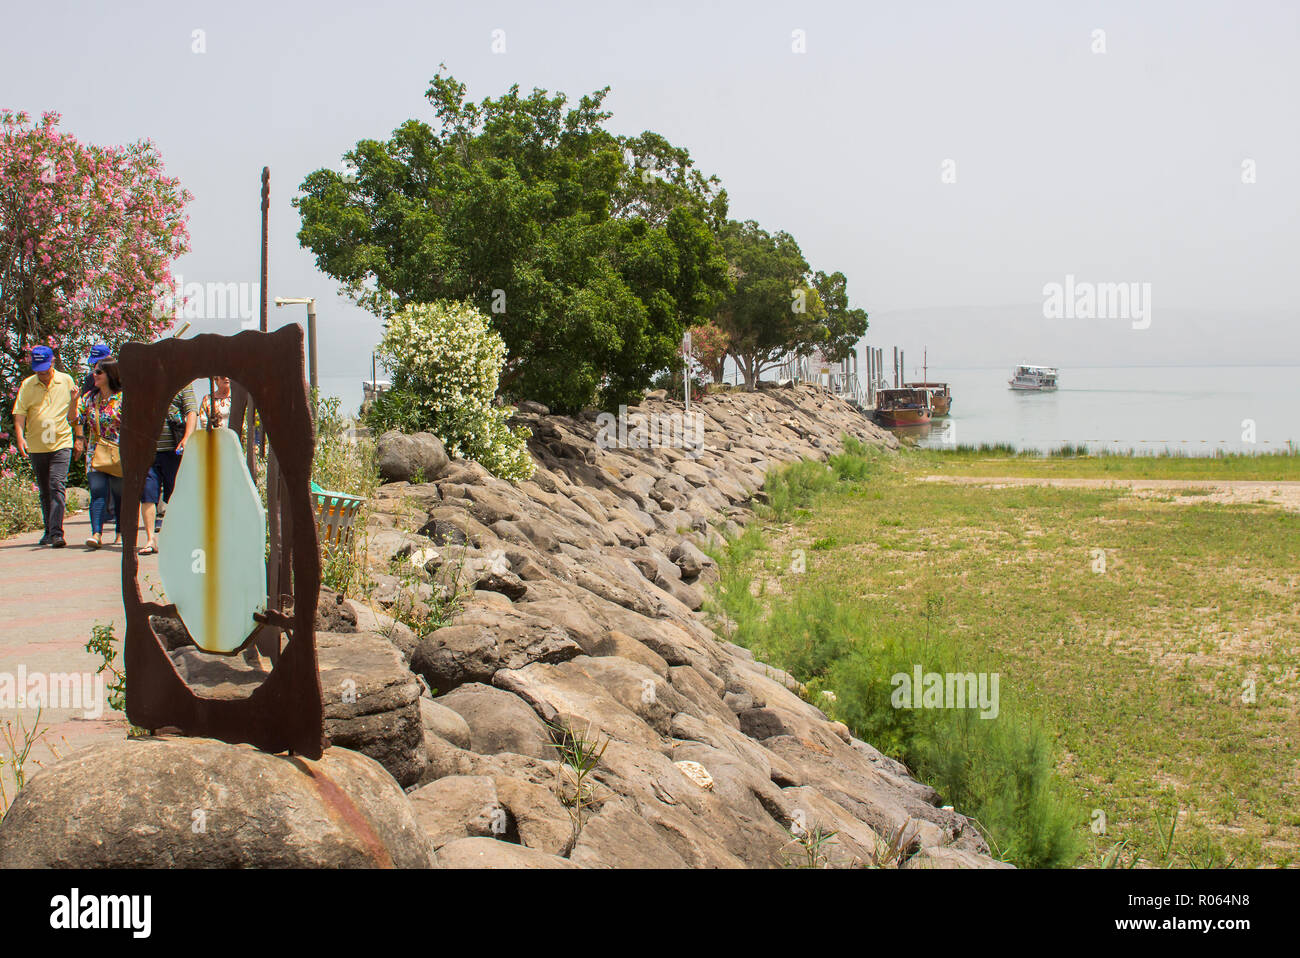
(948, 857)
(536, 815)
(689, 559)
(401, 457)
(490, 853)
(483, 641)
(372, 702)
(617, 837)
(171, 632)
(528, 407)
(498, 721)
(444, 723)
(136, 803)
(334, 613)
(398, 634)
(458, 806)
(566, 694)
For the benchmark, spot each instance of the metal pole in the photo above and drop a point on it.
(266, 219)
(311, 341)
(266, 211)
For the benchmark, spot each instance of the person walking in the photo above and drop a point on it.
(161, 477)
(97, 352)
(43, 414)
(221, 391)
(99, 433)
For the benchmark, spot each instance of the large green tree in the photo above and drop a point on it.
(843, 326)
(592, 253)
(773, 308)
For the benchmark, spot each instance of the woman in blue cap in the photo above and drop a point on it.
(100, 422)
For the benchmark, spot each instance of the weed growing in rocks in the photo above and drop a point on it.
(16, 742)
(810, 846)
(579, 754)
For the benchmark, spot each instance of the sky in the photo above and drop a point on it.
(952, 159)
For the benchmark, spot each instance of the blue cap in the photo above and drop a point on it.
(42, 358)
(97, 352)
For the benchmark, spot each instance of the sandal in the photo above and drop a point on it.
(147, 551)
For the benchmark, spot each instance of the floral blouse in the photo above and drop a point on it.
(108, 420)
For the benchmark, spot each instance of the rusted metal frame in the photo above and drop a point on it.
(285, 712)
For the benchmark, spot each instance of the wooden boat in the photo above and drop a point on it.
(903, 407)
(940, 397)
(1033, 379)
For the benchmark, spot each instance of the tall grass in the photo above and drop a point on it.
(999, 771)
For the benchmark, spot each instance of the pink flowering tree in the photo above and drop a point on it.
(709, 348)
(88, 235)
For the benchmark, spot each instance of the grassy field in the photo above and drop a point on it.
(1146, 647)
(1067, 463)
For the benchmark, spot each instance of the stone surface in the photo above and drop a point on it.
(402, 457)
(372, 702)
(136, 804)
(497, 721)
(490, 853)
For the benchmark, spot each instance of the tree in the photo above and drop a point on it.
(773, 309)
(591, 253)
(844, 326)
(87, 238)
(709, 347)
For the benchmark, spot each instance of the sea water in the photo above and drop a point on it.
(1192, 410)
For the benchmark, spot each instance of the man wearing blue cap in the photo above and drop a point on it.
(42, 420)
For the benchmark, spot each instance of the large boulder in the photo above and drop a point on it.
(167, 802)
(482, 641)
(498, 721)
(402, 457)
(372, 702)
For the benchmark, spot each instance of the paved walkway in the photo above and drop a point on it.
(49, 600)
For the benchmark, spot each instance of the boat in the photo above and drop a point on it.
(1033, 378)
(940, 397)
(940, 394)
(903, 406)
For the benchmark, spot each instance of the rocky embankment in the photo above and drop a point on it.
(577, 617)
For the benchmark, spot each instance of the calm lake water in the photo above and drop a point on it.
(1192, 410)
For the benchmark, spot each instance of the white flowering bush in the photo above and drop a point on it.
(446, 362)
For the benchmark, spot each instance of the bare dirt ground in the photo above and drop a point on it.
(1183, 491)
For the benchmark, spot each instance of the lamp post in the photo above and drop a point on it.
(310, 302)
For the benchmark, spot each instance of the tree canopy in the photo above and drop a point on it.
(773, 308)
(592, 253)
(87, 238)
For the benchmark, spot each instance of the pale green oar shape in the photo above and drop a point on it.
(212, 548)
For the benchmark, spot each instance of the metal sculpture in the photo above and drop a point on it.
(285, 712)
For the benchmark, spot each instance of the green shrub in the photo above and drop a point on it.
(20, 503)
(446, 362)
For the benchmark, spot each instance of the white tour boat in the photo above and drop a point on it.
(1037, 378)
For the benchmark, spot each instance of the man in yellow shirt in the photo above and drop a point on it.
(43, 415)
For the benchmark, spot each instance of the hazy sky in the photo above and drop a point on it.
(1122, 166)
